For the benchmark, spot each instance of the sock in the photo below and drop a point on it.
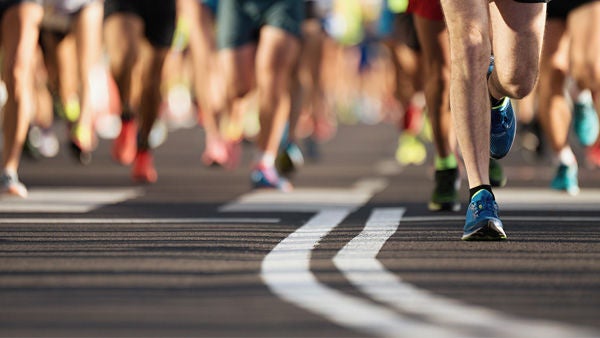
(265, 159)
(494, 101)
(566, 156)
(584, 97)
(142, 144)
(9, 173)
(448, 162)
(474, 190)
(127, 114)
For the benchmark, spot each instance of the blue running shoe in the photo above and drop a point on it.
(267, 177)
(503, 125)
(585, 123)
(482, 222)
(503, 129)
(566, 179)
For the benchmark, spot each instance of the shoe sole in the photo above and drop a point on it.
(447, 206)
(490, 231)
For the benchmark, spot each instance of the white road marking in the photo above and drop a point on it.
(65, 221)
(66, 200)
(307, 199)
(358, 262)
(286, 270)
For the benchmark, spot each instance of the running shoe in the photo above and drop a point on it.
(267, 177)
(497, 177)
(482, 222)
(41, 142)
(503, 129)
(593, 154)
(289, 159)
(10, 185)
(143, 168)
(125, 145)
(215, 153)
(410, 150)
(566, 179)
(82, 143)
(585, 123)
(445, 193)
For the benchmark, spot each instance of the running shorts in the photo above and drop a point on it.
(428, 9)
(59, 14)
(158, 17)
(560, 9)
(239, 21)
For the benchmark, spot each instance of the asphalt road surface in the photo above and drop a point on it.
(352, 252)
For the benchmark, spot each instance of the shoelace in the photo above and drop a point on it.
(486, 205)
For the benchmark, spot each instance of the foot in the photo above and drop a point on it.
(10, 185)
(410, 150)
(83, 141)
(143, 168)
(566, 179)
(497, 177)
(445, 193)
(503, 129)
(267, 177)
(289, 159)
(585, 123)
(482, 222)
(503, 126)
(125, 145)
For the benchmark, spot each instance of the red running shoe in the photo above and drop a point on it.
(593, 154)
(413, 119)
(143, 168)
(125, 145)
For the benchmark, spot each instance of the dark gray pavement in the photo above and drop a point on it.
(168, 260)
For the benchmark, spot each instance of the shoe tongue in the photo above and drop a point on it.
(481, 191)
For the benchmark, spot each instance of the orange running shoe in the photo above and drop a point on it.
(125, 145)
(143, 168)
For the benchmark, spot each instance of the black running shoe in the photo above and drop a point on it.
(445, 194)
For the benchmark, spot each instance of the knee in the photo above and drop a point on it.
(519, 84)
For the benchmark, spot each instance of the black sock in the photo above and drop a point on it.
(494, 101)
(142, 143)
(127, 114)
(473, 191)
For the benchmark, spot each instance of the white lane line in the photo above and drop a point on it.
(358, 262)
(66, 200)
(306, 199)
(65, 221)
(286, 270)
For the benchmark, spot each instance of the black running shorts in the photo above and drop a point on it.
(158, 16)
